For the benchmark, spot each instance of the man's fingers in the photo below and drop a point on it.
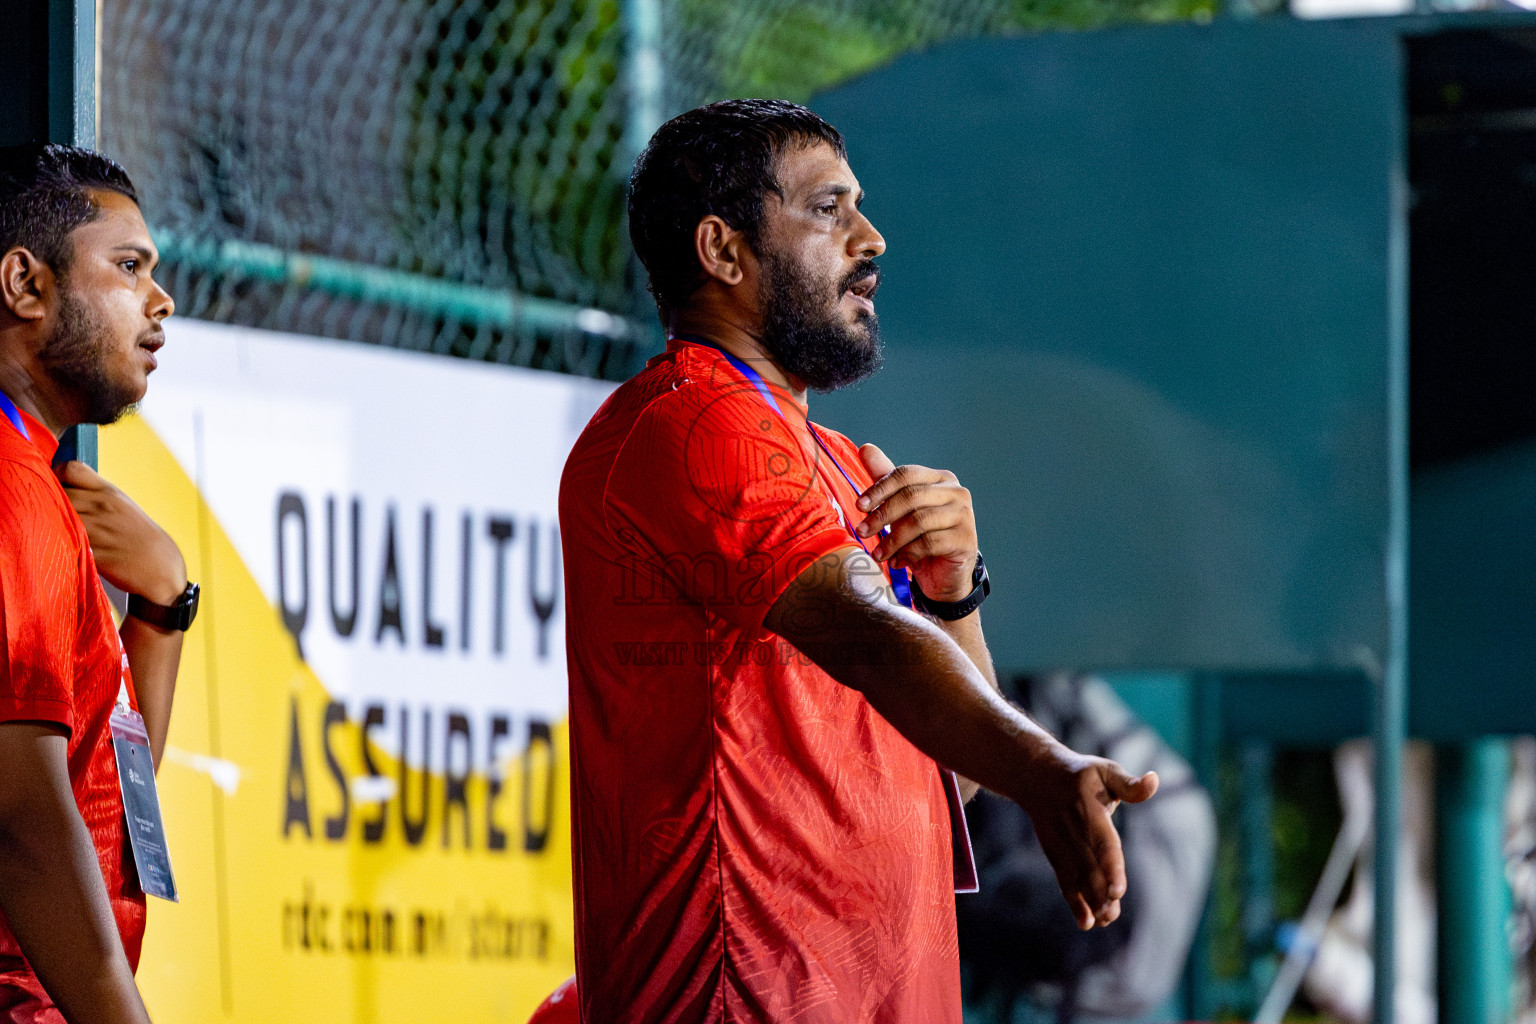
(1082, 913)
(1133, 789)
(77, 474)
(934, 523)
(1090, 858)
(876, 461)
(898, 478)
(1106, 876)
(886, 484)
(894, 507)
(931, 507)
(1093, 903)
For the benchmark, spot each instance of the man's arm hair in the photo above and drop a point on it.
(838, 614)
(154, 657)
(51, 888)
(967, 634)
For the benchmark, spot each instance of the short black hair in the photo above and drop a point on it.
(721, 159)
(45, 193)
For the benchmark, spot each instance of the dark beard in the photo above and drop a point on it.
(76, 357)
(804, 330)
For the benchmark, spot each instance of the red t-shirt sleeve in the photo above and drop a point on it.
(39, 601)
(716, 496)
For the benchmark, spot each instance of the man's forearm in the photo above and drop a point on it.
(51, 888)
(967, 634)
(930, 689)
(939, 699)
(920, 681)
(154, 656)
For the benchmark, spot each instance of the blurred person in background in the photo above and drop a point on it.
(80, 322)
(1019, 939)
(759, 689)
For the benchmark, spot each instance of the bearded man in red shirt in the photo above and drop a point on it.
(80, 317)
(776, 659)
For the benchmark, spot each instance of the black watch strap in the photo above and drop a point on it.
(949, 611)
(173, 616)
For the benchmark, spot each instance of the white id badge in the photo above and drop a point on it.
(141, 803)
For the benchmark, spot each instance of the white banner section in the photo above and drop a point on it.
(398, 510)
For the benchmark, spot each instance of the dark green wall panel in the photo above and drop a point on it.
(1137, 296)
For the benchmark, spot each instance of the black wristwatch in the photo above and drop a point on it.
(178, 615)
(949, 611)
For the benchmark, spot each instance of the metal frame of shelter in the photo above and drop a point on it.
(51, 49)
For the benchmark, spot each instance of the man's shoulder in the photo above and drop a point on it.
(28, 485)
(679, 395)
(33, 507)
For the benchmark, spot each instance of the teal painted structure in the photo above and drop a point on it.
(1139, 295)
(1147, 293)
(1475, 970)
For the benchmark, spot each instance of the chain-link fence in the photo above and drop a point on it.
(448, 175)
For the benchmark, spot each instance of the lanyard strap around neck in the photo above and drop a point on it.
(14, 415)
(742, 367)
(900, 582)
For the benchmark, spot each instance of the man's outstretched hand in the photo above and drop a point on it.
(1071, 811)
(943, 697)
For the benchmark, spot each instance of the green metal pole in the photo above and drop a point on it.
(1476, 969)
(1257, 759)
(644, 78)
(490, 307)
(1390, 679)
(72, 120)
(72, 72)
(1200, 1001)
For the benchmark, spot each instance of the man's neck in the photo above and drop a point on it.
(36, 400)
(743, 343)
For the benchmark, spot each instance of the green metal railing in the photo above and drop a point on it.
(480, 306)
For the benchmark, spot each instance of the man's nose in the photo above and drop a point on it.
(161, 305)
(866, 242)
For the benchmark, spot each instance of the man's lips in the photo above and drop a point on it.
(152, 344)
(862, 289)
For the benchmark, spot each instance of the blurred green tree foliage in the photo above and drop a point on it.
(518, 113)
(794, 50)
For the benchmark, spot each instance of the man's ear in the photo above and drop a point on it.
(25, 282)
(721, 250)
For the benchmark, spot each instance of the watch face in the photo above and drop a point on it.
(187, 606)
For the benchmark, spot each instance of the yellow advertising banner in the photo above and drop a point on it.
(365, 784)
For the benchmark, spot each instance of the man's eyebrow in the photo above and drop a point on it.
(840, 190)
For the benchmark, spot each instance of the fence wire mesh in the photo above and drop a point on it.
(448, 175)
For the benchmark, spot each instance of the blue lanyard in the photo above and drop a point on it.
(11, 413)
(900, 582)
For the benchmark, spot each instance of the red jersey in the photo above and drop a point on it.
(752, 841)
(60, 661)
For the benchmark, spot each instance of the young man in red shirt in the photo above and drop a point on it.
(758, 716)
(80, 322)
